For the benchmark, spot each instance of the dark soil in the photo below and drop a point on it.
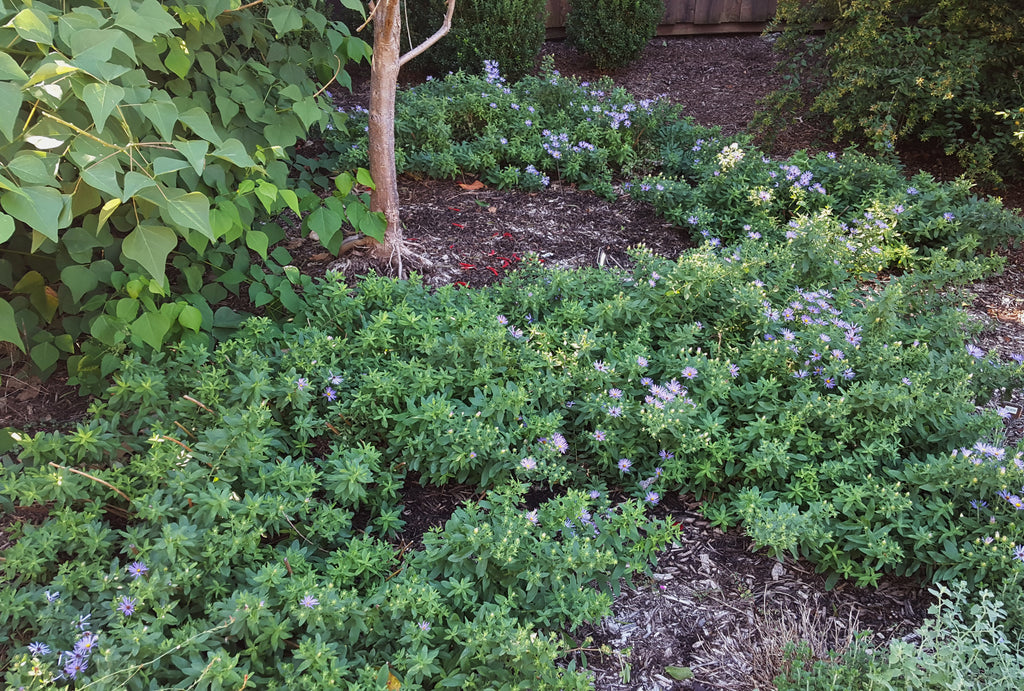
(713, 605)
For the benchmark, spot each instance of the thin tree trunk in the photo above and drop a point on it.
(384, 66)
(386, 61)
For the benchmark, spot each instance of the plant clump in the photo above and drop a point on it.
(612, 33)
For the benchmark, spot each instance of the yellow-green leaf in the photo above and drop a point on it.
(105, 212)
(258, 242)
(191, 318)
(33, 25)
(178, 59)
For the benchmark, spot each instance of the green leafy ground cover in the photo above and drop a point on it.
(229, 514)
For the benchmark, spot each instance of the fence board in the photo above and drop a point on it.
(688, 16)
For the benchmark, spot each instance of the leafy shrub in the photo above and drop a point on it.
(613, 33)
(144, 144)
(509, 32)
(897, 71)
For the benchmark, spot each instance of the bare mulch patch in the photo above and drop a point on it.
(715, 605)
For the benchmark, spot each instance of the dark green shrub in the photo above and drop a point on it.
(894, 72)
(613, 32)
(509, 32)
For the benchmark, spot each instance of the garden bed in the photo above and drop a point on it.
(713, 605)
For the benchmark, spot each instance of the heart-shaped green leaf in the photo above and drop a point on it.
(149, 245)
(101, 99)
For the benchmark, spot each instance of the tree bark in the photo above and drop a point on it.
(384, 66)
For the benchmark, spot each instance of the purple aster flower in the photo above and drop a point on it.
(853, 338)
(75, 667)
(531, 516)
(689, 373)
(830, 383)
(825, 338)
(906, 381)
(625, 464)
(600, 366)
(528, 463)
(424, 626)
(646, 381)
(594, 494)
(503, 320)
(948, 216)
(309, 602)
(126, 606)
(615, 393)
(86, 644)
(301, 384)
(599, 435)
(975, 352)
(800, 374)
(848, 373)
(734, 370)
(52, 597)
(615, 411)
(38, 649)
(653, 498)
(559, 442)
(838, 354)
(1018, 552)
(83, 622)
(330, 394)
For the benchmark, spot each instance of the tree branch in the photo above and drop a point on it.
(433, 39)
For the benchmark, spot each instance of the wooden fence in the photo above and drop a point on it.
(688, 16)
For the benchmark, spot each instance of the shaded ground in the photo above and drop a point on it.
(713, 606)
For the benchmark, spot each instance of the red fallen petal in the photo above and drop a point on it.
(458, 225)
(491, 253)
(506, 235)
(492, 270)
(464, 265)
(516, 257)
(451, 247)
(494, 235)
(452, 208)
(462, 283)
(413, 239)
(504, 263)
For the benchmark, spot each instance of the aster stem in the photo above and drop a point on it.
(93, 478)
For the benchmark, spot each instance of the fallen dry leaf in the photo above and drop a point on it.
(475, 185)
